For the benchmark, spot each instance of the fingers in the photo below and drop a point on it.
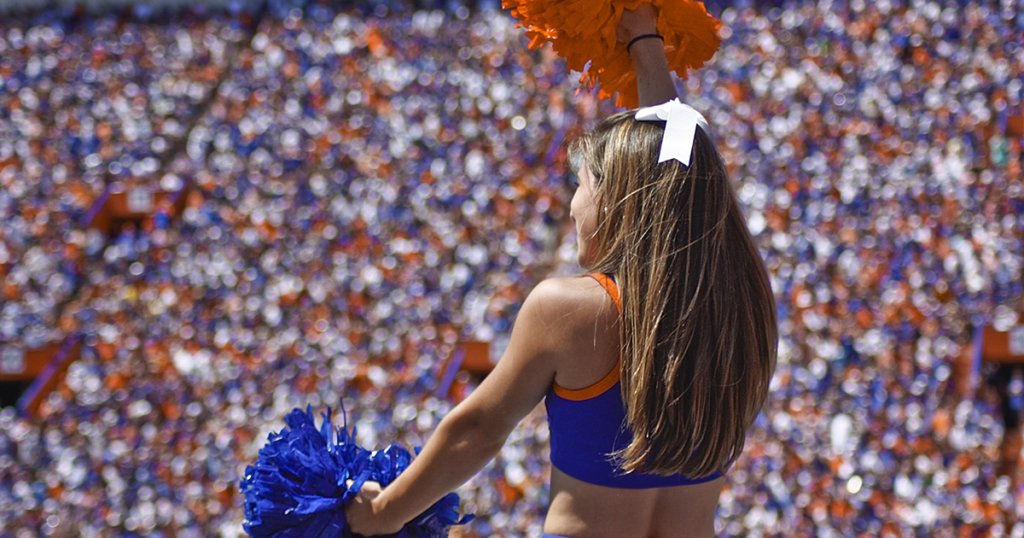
(369, 486)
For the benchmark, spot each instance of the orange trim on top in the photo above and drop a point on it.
(608, 381)
(612, 377)
(609, 285)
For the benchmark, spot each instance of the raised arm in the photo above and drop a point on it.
(653, 81)
(474, 432)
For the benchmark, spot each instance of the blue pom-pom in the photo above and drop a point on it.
(297, 486)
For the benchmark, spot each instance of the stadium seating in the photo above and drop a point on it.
(366, 190)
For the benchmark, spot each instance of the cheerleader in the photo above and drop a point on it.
(653, 366)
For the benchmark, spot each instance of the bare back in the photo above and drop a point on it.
(583, 510)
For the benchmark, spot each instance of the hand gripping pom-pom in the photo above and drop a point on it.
(584, 33)
(297, 487)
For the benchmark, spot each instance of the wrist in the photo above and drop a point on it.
(379, 506)
(381, 512)
(632, 33)
(652, 36)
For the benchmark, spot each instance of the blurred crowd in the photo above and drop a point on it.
(85, 103)
(879, 165)
(368, 189)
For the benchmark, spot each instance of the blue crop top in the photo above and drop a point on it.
(589, 424)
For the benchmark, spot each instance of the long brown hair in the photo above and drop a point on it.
(698, 327)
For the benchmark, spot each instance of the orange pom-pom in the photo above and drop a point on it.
(583, 32)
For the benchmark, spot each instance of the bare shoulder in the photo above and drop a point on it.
(571, 303)
(578, 323)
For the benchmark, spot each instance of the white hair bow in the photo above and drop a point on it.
(680, 128)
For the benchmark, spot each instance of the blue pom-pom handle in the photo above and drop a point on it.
(297, 487)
